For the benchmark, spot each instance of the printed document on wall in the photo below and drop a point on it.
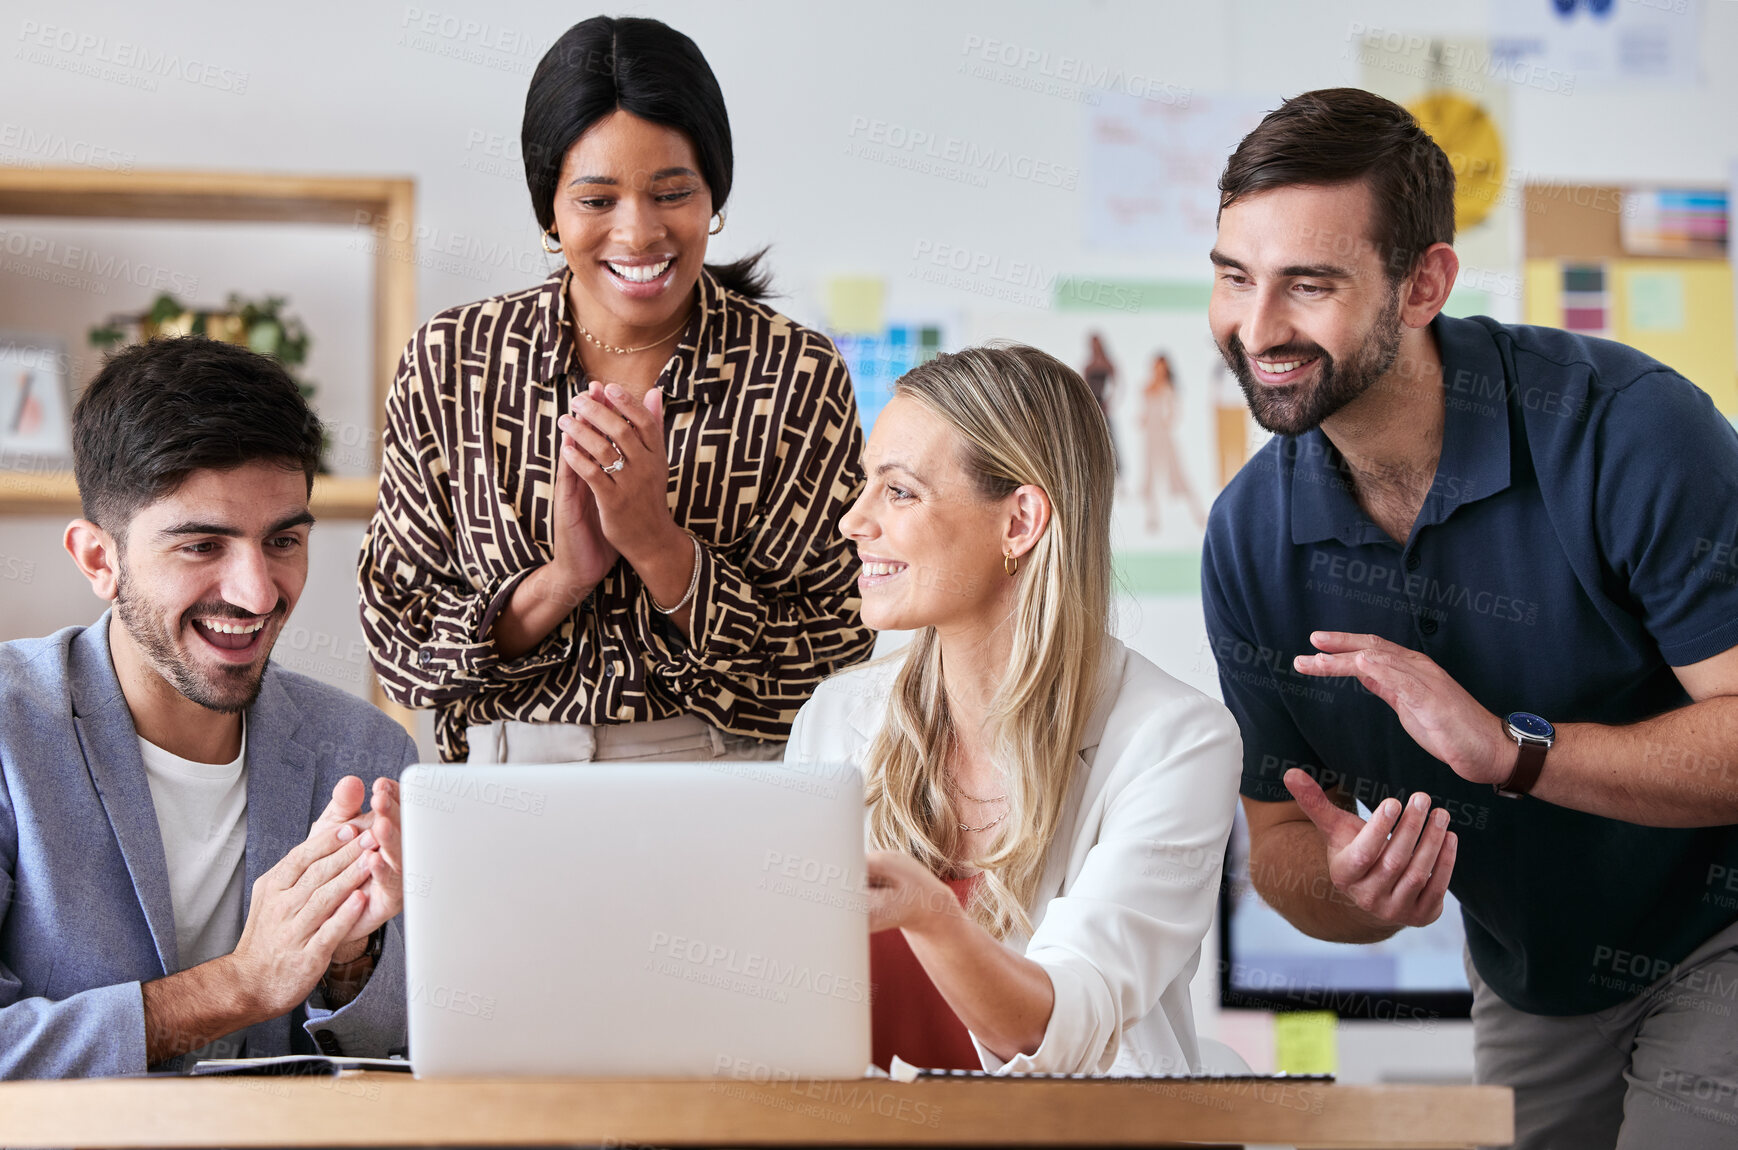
(1598, 43)
(1153, 169)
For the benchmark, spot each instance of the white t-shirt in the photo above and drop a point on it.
(202, 815)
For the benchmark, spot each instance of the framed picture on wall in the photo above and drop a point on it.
(35, 403)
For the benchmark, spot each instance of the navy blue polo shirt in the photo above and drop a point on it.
(1580, 540)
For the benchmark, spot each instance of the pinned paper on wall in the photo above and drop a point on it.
(1674, 222)
(1681, 312)
(1153, 169)
(1306, 1042)
(1580, 276)
(1701, 345)
(855, 304)
(1147, 356)
(1566, 46)
(1586, 302)
(877, 360)
(1655, 302)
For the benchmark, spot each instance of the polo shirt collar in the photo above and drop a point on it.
(1474, 463)
(695, 370)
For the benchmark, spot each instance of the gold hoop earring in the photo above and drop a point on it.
(719, 216)
(1010, 564)
(547, 236)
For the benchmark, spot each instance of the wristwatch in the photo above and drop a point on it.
(1533, 736)
(375, 948)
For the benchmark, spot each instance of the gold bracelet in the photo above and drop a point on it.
(693, 584)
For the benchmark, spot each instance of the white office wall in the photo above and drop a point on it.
(435, 91)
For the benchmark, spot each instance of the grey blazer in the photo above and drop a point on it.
(85, 913)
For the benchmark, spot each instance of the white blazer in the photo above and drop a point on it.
(1132, 878)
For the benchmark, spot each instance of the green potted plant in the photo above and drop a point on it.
(257, 324)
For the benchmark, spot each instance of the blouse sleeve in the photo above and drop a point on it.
(777, 611)
(424, 619)
(1132, 921)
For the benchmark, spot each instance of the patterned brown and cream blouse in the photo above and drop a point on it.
(764, 448)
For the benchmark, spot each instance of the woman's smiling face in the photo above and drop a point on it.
(631, 212)
(929, 542)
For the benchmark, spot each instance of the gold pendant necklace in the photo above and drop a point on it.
(628, 350)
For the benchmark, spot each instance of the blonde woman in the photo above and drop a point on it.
(1047, 810)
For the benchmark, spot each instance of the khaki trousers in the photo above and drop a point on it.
(685, 738)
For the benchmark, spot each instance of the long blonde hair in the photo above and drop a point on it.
(1023, 417)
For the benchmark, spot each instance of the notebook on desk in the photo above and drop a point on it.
(294, 1065)
(636, 920)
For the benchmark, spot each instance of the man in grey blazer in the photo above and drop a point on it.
(186, 865)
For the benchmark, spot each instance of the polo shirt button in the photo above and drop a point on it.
(328, 1043)
(424, 657)
(1428, 626)
(1412, 561)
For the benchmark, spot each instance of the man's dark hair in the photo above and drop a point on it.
(159, 411)
(1339, 135)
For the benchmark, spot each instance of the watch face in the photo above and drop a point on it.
(1532, 725)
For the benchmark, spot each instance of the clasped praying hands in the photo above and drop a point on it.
(615, 444)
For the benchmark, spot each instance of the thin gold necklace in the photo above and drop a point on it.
(1001, 798)
(993, 822)
(629, 350)
(954, 788)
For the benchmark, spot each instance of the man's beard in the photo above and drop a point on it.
(1296, 409)
(227, 689)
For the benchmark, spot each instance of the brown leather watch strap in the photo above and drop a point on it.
(1529, 761)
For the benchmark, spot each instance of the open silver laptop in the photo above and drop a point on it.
(637, 920)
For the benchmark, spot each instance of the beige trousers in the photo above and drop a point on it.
(685, 738)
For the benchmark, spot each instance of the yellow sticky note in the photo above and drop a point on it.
(854, 304)
(1684, 319)
(1544, 298)
(1306, 1042)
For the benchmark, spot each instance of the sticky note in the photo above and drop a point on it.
(1583, 277)
(1306, 1042)
(1698, 296)
(1249, 1033)
(1656, 301)
(855, 303)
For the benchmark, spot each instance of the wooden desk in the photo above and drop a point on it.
(395, 1110)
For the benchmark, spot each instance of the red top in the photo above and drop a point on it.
(908, 1015)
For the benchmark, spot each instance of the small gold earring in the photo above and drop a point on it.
(719, 217)
(1009, 563)
(547, 236)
